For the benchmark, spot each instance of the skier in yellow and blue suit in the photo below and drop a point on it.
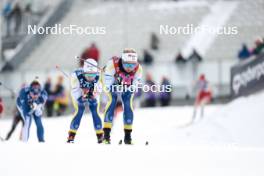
(85, 85)
(123, 71)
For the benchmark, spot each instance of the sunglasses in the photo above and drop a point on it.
(129, 65)
(90, 75)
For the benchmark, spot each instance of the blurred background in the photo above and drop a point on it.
(166, 59)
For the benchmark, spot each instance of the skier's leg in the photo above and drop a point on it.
(204, 102)
(196, 104)
(23, 123)
(75, 123)
(14, 124)
(109, 115)
(202, 109)
(97, 122)
(27, 123)
(194, 112)
(40, 128)
(127, 98)
(26, 128)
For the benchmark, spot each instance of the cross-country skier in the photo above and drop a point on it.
(204, 95)
(123, 71)
(30, 103)
(85, 85)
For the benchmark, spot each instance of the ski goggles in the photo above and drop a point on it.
(90, 75)
(130, 65)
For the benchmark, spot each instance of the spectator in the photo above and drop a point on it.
(7, 13)
(259, 45)
(61, 98)
(154, 41)
(165, 97)
(91, 52)
(195, 56)
(17, 13)
(150, 97)
(244, 53)
(50, 101)
(28, 14)
(180, 59)
(148, 58)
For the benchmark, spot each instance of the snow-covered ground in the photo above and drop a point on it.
(229, 140)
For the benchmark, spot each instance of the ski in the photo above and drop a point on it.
(192, 122)
(120, 142)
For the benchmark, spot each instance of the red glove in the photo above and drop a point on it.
(87, 94)
(85, 91)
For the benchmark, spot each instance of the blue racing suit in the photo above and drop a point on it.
(29, 109)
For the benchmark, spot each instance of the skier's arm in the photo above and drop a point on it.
(43, 97)
(76, 91)
(21, 99)
(23, 103)
(108, 75)
(138, 77)
(97, 90)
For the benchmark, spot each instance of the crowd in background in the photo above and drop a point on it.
(152, 99)
(247, 52)
(18, 14)
(58, 99)
(148, 58)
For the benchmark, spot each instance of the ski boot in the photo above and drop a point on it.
(107, 139)
(71, 137)
(127, 138)
(100, 138)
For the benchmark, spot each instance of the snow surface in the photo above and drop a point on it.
(227, 141)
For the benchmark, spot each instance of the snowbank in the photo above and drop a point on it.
(227, 141)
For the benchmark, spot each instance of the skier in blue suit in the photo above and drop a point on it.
(30, 103)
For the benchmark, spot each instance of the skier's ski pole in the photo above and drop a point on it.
(63, 72)
(84, 60)
(8, 88)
